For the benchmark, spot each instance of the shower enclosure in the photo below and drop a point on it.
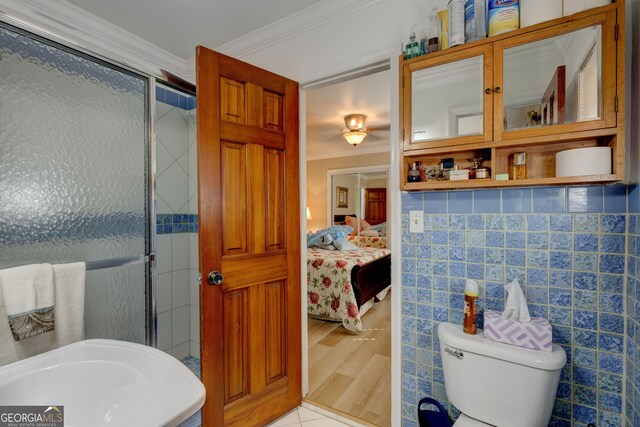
(77, 177)
(177, 287)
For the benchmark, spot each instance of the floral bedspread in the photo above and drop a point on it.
(368, 242)
(329, 289)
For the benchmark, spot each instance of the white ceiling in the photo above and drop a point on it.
(327, 106)
(178, 26)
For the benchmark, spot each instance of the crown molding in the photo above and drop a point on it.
(76, 27)
(301, 22)
(65, 22)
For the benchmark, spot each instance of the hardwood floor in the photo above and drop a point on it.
(352, 373)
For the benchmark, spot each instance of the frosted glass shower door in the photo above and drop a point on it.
(74, 174)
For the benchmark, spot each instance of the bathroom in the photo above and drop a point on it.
(105, 197)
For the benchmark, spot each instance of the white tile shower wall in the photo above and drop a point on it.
(194, 291)
(565, 245)
(177, 240)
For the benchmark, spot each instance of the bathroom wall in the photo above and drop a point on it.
(566, 246)
(632, 376)
(177, 301)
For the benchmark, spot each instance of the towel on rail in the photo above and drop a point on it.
(69, 282)
(28, 293)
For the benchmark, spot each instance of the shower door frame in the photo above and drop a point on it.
(12, 24)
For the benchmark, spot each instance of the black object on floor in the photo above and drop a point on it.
(434, 416)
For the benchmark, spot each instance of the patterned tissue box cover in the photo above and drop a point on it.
(535, 334)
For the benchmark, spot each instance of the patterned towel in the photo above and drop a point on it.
(28, 294)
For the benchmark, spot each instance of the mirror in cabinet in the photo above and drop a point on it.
(449, 104)
(556, 83)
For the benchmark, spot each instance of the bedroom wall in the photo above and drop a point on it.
(317, 182)
(349, 182)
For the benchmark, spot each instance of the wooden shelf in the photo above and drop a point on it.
(491, 183)
(523, 142)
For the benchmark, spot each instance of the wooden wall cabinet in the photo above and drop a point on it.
(543, 89)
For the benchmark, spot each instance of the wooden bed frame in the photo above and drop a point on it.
(370, 279)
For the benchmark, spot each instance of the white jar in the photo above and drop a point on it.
(574, 6)
(535, 11)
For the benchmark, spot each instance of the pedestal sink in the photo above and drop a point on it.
(105, 383)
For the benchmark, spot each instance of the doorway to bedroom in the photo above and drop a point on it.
(349, 285)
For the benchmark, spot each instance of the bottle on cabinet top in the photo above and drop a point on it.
(475, 17)
(412, 49)
(456, 22)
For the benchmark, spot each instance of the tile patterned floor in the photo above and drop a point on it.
(304, 417)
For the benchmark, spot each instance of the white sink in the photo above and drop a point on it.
(105, 383)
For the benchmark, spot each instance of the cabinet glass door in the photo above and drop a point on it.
(450, 101)
(560, 80)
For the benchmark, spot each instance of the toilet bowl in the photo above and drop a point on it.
(495, 384)
(464, 421)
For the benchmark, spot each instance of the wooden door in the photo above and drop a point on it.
(376, 205)
(249, 229)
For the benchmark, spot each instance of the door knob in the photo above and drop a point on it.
(498, 89)
(488, 91)
(215, 278)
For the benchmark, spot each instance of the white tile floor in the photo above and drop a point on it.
(305, 417)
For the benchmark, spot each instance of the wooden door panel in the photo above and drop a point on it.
(235, 306)
(266, 267)
(275, 333)
(232, 100)
(272, 111)
(234, 198)
(274, 191)
(251, 135)
(249, 224)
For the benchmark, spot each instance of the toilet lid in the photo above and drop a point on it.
(465, 421)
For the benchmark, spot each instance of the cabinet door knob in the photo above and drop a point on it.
(488, 91)
(498, 89)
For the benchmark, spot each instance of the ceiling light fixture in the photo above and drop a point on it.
(355, 132)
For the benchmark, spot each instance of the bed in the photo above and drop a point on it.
(368, 242)
(341, 285)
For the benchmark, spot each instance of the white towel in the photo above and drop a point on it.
(69, 282)
(28, 294)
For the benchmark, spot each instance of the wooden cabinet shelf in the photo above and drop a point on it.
(519, 92)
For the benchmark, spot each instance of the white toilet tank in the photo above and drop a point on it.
(499, 384)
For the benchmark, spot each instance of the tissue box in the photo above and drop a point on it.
(535, 334)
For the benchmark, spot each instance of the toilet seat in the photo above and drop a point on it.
(465, 421)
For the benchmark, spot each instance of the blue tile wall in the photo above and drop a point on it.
(174, 99)
(568, 248)
(176, 223)
(632, 377)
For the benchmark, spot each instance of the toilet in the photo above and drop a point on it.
(495, 384)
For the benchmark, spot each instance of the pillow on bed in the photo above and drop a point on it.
(381, 229)
(336, 232)
(370, 232)
(344, 245)
(357, 224)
